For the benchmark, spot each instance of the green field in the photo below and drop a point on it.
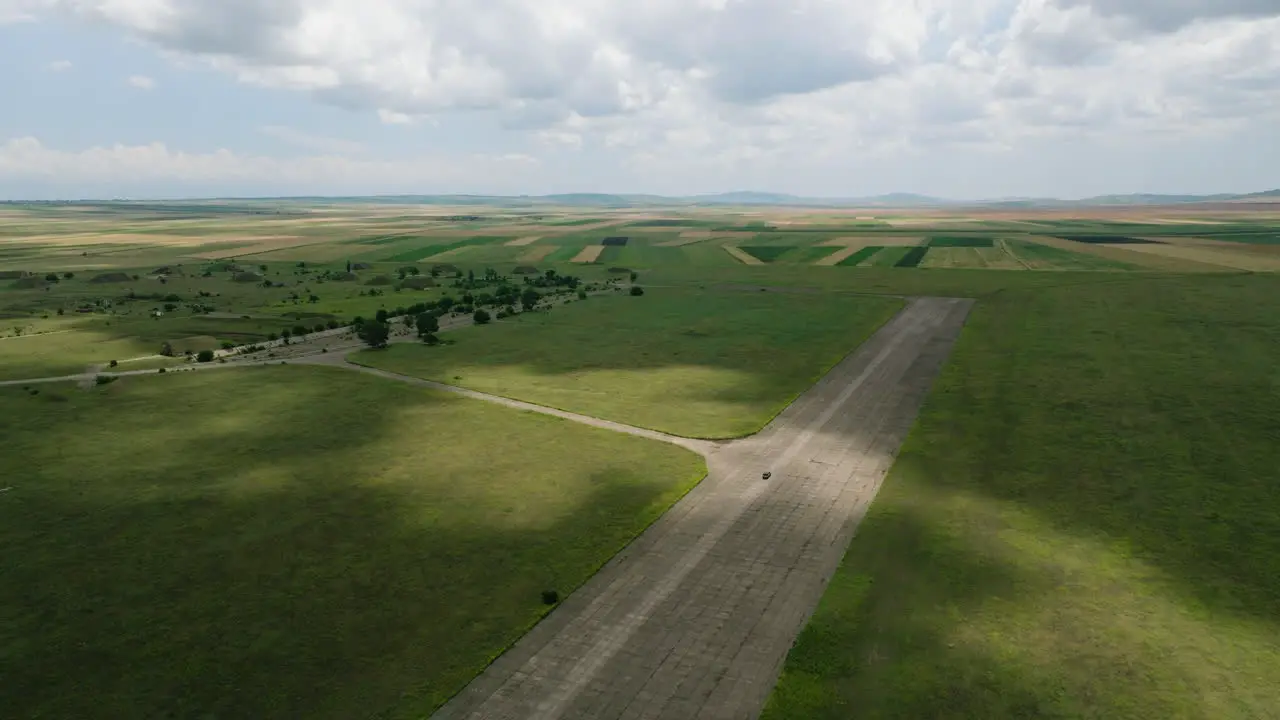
(1083, 522)
(692, 363)
(200, 545)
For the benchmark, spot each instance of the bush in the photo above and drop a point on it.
(550, 597)
(204, 356)
(636, 290)
(166, 350)
(104, 379)
(114, 363)
(227, 344)
(162, 371)
(480, 317)
(582, 294)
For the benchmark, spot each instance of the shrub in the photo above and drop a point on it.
(300, 330)
(636, 290)
(162, 371)
(204, 356)
(104, 379)
(167, 350)
(380, 316)
(480, 317)
(320, 327)
(427, 324)
(114, 363)
(333, 325)
(550, 597)
(227, 344)
(582, 294)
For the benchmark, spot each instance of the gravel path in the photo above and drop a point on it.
(694, 618)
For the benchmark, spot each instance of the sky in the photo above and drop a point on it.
(966, 99)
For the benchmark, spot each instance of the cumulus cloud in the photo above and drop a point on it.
(142, 82)
(743, 81)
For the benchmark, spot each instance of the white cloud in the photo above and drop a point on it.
(309, 141)
(121, 167)
(59, 65)
(142, 82)
(745, 84)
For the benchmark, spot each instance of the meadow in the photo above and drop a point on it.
(198, 544)
(695, 363)
(1084, 521)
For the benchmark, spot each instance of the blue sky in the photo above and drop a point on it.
(976, 99)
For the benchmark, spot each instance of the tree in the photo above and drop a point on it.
(582, 294)
(319, 327)
(635, 276)
(481, 317)
(529, 298)
(284, 335)
(636, 290)
(167, 350)
(204, 356)
(381, 316)
(263, 268)
(68, 275)
(333, 325)
(51, 277)
(428, 324)
(348, 266)
(374, 334)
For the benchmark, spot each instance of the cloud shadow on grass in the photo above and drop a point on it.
(176, 593)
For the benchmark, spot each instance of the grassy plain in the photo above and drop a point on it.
(202, 545)
(1084, 522)
(689, 362)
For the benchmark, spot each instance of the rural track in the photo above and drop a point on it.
(695, 617)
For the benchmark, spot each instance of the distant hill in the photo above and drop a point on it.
(739, 198)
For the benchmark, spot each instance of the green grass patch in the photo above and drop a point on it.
(766, 253)
(912, 257)
(889, 257)
(698, 364)
(427, 251)
(1083, 523)
(860, 256)
(197, 545)
(1045, 257)
(960, 241)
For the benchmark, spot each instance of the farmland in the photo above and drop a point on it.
(1081, 522)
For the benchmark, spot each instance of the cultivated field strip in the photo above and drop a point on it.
(695, 617)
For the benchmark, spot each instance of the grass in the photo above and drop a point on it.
(1044, 257)
(693, 363)
(912, 258)
(197, 545)
(860, 256)
(767, 253)
(889, 257)
(1083, 523)
(960, 241)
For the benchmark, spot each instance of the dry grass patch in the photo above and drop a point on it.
(743, 256)
(1223, 257)
(521, 242)
(536, 254)
(588, 254)
(838, 256)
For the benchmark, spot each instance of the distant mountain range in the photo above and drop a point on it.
(749, 198)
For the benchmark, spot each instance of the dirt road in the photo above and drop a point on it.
(694, 618)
